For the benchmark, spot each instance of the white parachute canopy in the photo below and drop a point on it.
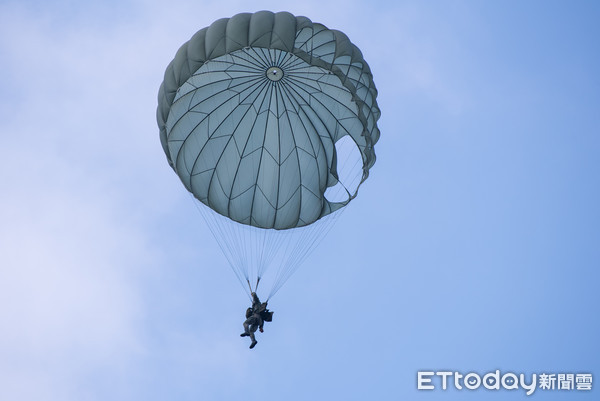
(269, 120)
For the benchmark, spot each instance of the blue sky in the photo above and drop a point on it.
(473, 245)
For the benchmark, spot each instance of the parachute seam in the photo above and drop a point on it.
(260, 163)
(292, 90)
(211, 136)
(258, 86)
(299, 166)
(224, 149)
(242, 157)
(192, 94)
(279, 153)
(299, 109)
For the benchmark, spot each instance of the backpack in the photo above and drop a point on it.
(266, 315)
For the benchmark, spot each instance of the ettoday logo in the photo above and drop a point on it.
(472, 381)
(508, 381)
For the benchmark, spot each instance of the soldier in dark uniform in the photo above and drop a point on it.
(256, 316)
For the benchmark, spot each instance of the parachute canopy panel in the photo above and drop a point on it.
(250, 112)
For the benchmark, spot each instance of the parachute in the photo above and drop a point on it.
(270, 122)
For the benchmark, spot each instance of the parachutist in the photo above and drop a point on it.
(256, 316)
